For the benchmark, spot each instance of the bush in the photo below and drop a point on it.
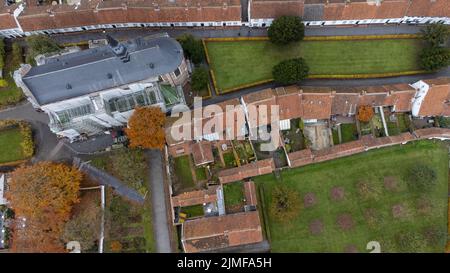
(285, 203)
(27, 143)
(2, 53)
(421, 178)
(434, 58)
(193, 48)
(286, 29)
(3, 83)
(436, 34)
(17, 57)
(40, 44)
(199, 79)
(290, 71)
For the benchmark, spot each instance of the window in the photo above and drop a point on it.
(68, 114)
(177, 72)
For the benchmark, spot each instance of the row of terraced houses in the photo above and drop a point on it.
(18, 20)
(317, 108)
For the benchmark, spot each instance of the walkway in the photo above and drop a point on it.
(160, 221)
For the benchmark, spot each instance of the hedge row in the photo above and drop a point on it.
(235, 39)
(245, 86)
(367, 76)
(206, 51)
(320, 38)
(362, 37)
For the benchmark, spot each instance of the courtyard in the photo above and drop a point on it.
(246, 62)
(350, 201)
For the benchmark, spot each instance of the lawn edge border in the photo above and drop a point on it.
(317, 76)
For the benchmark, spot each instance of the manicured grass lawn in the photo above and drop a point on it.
(233, 194)
(245, 62)
(10, 145)
(383, 213)
(230, 162)
(201, 173)
(349, 132)
(193, 211)
(183, 171)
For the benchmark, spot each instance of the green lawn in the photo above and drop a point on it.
(10, 145)
(245, 62)
(183, 171)
(229, 159)
(349, 132)
(193, 211)
(201, 173)
(233, 194)
(383, 213)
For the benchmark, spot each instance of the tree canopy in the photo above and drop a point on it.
(421, 177)
(199, 79)
(285, 203)
(434, 56)
(43, 194)
(286, 29)
(436, 34)
(2, 53)
(193, 48)
(290, 71)
(146, 128)
(40, 44)
(365, 113)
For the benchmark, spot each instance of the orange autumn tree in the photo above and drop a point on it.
(43, 194)
(365, 113)
(146, 128)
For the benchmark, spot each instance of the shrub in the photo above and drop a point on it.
(434, 58)
(444, 122)
(3, 83)
(116, 246)
(193, 48)
(290, 71)
(365, 113)
(199, 79)
(285, 203)
(2, 53)
(421, 177)
(435, 34)
(286, 29)
(17, 57)
(27, 143)
(40, 44)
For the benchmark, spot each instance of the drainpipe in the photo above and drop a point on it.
(380, 108)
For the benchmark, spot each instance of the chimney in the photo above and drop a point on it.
(120, 50)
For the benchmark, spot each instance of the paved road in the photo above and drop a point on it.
(238, 31)
(160, 221)
(334, 83)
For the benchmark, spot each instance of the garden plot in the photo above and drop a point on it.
(293, 138)
(318, 134)
(397, 123)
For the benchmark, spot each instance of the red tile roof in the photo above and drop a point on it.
(372, 142)
(195, 197)
(276, 8)
(6, 17)
(435, 102)
(300, 158)
(340, 150)
(316, 106)
(132, 11)
(212, 233)
(249, 170)
(202, 153)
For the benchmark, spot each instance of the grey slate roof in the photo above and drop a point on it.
(90, 71)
